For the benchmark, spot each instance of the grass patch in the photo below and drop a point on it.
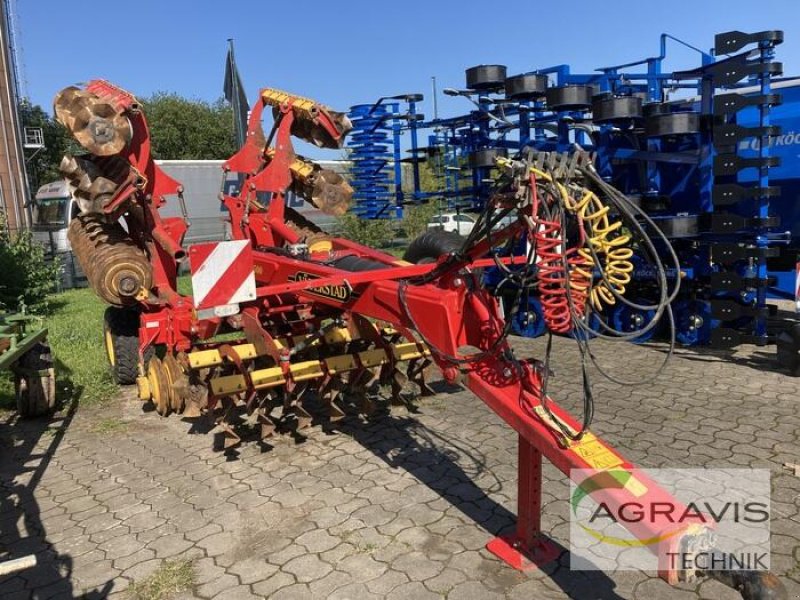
(172, 577)
(184, 284)
(75, 326)
(109, 426)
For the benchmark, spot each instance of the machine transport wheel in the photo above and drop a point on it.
(628, 320)
(570, 97)
(121, 337)
(789, 349)
(680, 123)
(486, 77)
(693, 322)
(485, 159)
(529, 322)
(606, 108)
(429, 246)
(35, 382)
(594, 327)
(651, 109)
(524, 87)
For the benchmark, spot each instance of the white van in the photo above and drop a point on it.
(52, 209)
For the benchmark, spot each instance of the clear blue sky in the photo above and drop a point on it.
(343, 53)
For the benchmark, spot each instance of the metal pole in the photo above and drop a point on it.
(240, 134)
(18, 564)
(435, 102)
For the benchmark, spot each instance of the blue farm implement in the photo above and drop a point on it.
(711, 154)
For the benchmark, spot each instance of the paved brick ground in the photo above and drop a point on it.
(397, 508)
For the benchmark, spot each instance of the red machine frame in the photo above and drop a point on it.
(453, 312)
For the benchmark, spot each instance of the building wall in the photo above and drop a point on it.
(13, 181)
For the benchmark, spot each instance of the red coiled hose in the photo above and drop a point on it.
(556, 288)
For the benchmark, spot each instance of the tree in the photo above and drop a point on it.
(183, 129)
(42, 165)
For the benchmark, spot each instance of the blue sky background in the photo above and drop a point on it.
(347, 52)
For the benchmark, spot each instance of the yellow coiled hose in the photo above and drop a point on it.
(614, 250)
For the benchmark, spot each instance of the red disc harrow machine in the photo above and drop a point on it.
(284, 311)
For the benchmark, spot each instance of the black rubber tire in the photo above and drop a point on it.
(121, 332)
(35, 382)
(355, 263)
(429, 246)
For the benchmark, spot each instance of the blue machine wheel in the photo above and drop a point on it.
(529, 321)
(594, 327)
(627, 319)
(693, 322)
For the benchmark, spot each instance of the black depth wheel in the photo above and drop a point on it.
(121, 337)
(429, 246)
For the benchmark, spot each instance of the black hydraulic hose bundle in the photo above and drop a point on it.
(525, 279)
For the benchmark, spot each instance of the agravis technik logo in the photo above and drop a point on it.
(616, 524)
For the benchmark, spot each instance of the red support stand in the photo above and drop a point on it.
(527, 548)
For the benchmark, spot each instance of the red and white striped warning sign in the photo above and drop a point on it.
(222, 273)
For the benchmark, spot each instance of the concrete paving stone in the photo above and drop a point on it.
(468, 562)
(655, 588)
(203, 531)
(387, 582)
(151, 535)
(144, 521)
(80, 517)
(471, 538)
(347, 527)
(99, 523)
(281, 557)
(124, 545)
(326, 517)
(395, 526)
(373, 515)
(354, 591)
(317, 541)
(445, 581)
(109, 534)
(134, 509)
(126, 562)
(240, 592)
(142, 569)
(217, 585)
(290, 498)
(417, 566)
(308, 567)
(247, 499)
(169, 545)
(252, 570)
(272, 584)
(296, 591)
(323, 587)
(341, 551)
(237, 488)
(206, 570)
(79, 504)
(414, 537)
(95, 574)
(77, 546)
(413, 589)
(362, 566)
